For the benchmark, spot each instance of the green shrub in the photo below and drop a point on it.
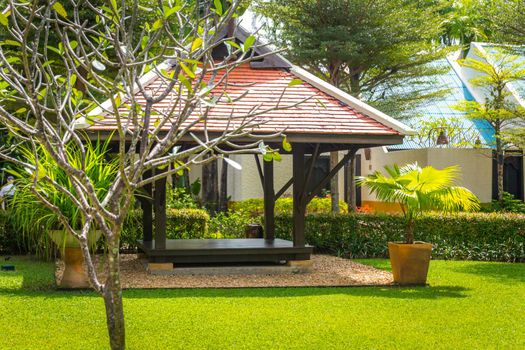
(187, 223)
(132, 231)
(255, 206)
(9, 240)
(509, 205)
(231, 224)
(468, 236)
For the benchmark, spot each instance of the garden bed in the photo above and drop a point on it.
(326, 271)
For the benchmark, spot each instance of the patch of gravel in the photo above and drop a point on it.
(326, 271)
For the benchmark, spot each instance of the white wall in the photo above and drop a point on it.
(245, 183)
(476, 166)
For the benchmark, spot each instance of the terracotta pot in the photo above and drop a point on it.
(74, 276)
(410, 262)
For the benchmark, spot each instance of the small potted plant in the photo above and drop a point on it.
(37, 220)
(417, 190)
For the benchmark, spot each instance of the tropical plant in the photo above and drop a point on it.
(419, 189)
(34, 219)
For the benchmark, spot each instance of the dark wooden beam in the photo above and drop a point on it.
(289, 183)
(331, 174)
(311, 167)
(159, 205)
(284, 188)
(147, 214)
(299, 205)
(259, 169)
(269, 202)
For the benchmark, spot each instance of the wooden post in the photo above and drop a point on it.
(147, 215)
(334, 183)
(223, 188)
(351, 184)
(299, 200)
(269, 202)
(159, 204)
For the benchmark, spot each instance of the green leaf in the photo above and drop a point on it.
(3, 20)
(187, 70)
(118, 100)
(170, 11)
(295, 82)
(248, 43)
(268, 157)
(286, 145)
(10, 43)
(277, 156)
(157, 25)
(144, 42)
(21, 110)
(234, 44)
(60, 9)
(218, 6)
(185, 82)
(196, 44)
(114, 5)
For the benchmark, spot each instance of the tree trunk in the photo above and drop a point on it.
(500, 163)
(334, 183)
(210, 186)
(351, 200)
(112, 295)
(223, 195)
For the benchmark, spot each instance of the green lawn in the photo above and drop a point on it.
(469, 305)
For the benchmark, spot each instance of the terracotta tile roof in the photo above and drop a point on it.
(320, 114)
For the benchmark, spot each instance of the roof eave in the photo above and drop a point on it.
(351, 101)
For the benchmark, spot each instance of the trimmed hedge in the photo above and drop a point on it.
(467, 236)
(255, 206)
(187, 223)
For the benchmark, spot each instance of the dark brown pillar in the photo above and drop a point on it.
(269, 202)
(147, 214)
(159, 204)
(299, 197)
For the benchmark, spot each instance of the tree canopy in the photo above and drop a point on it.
(371, 49)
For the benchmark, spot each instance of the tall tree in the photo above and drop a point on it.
(508, 19)
(372, 49)
(109, 58)
(495, 72)
(466, 21)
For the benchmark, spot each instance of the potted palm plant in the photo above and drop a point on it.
(417, 190)
(38, 221)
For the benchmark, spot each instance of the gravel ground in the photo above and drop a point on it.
(326, 271)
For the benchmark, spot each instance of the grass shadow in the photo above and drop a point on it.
(427, 292)
(414, 293)
(501, 272)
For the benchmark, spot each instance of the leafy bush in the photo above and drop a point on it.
(187, 223)
(9, 242)
(255, 206)
(182, 197)
(509, 205)
(132, 231)
(467, 236)
(230, 225)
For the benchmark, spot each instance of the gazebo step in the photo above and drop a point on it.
(189, 251)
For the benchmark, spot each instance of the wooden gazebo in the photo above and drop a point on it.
(330, 120)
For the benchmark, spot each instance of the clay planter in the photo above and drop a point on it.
(74, 276)
(410, 262)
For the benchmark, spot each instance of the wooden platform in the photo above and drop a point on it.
(201, 251)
